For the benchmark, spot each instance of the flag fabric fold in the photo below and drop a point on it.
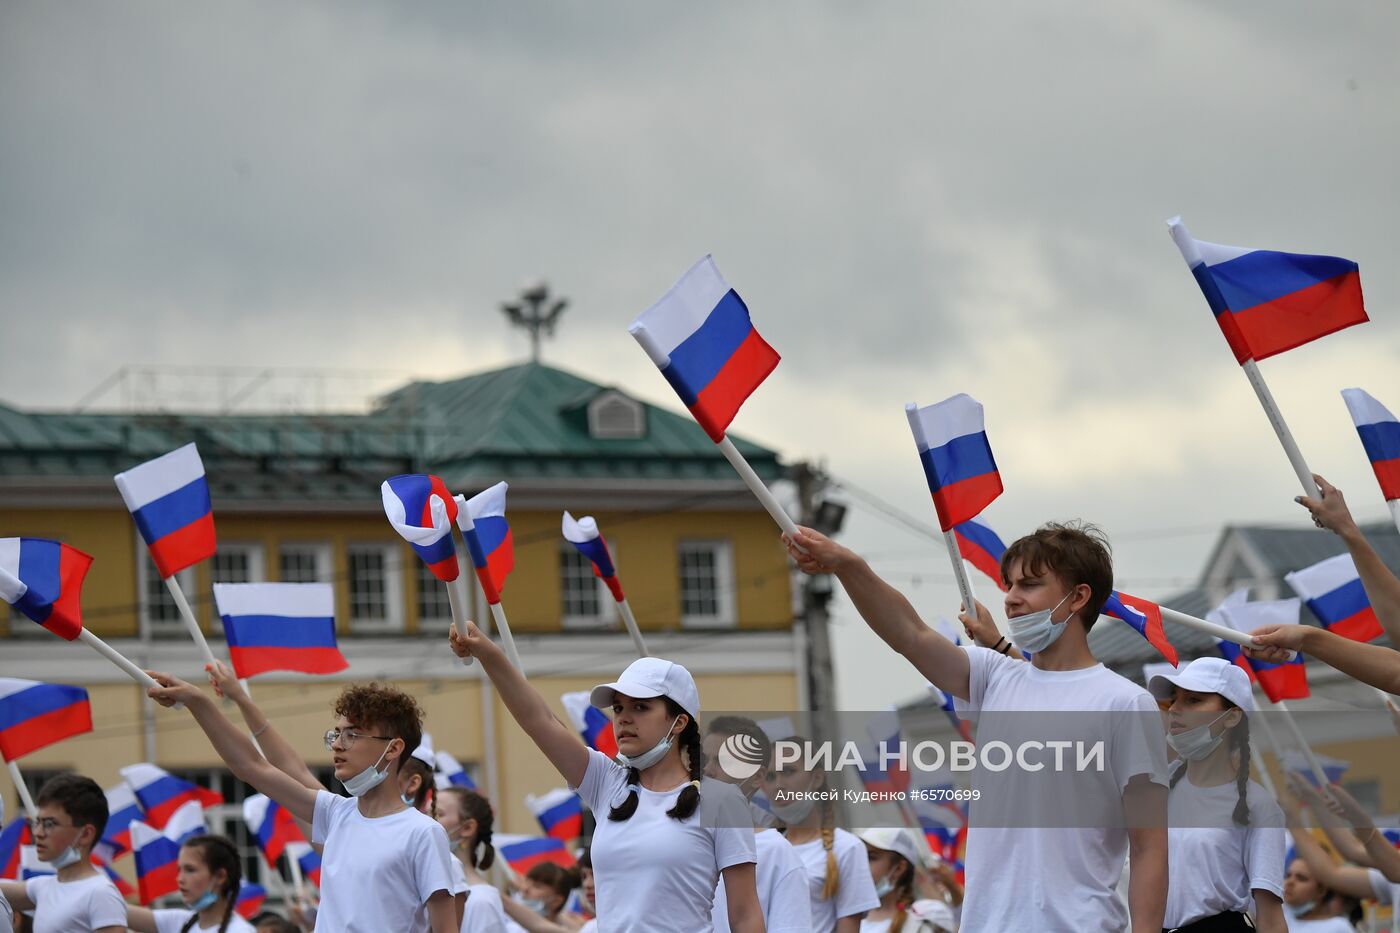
(122, 810)
(279, 627)
(584, 535)
(250, 900)
(422, 510)
(271, 825)
(34, 715)
(168, 498)
(1286, 681)
(449, 772)
(1145, 617)
(1332, 590)
(980, 546)
(559, 812)
(43, 579)
(482, 519)
(957, 458)
(1380, 438)
(524, 852)
(161, 794)
(591, 723)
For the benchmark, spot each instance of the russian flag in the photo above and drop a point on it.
(122, 811)
(12, 840)
(524, 852)
(1332, 590)
(957, 458)
(877, 776)
(450, 770)
(157, 862)
(307, 860)
(271, 825)
(161, 794)
(591, 723)
(482, 519)
(583, 534)
(1287, 681)
(948, 704)
(31, 866)
(1380, 436)
(422, 511)
(34, 714)
(701, 338)
(279, 627)
(560, 813)
(1267, 302)
(250, 900)
(1145, 617)
(168, 498)
(980, 546)
(123, 887)
(43, 579)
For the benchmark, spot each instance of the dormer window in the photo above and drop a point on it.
(614, 416)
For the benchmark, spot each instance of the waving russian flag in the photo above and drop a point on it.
(957, 458)
(1332, 590)
(250, 900)
(280, 627)
(12, 840)
(524, 852)
(31, 866)
(271, 825)
(980, 546)
(123, 887)
(307, 860)
(560, 813)
(161, 794)
(583, 534)
(591, 723)
(422, 511)
(168, 498)
(482, 519)
(157, 862)
(1145, 617)
(699, 335)
(1380, 437)
(43, 579)
(451, 772)
(1287, 681)
(34, 715)
(879, 776)
(122, 810)
(1267, 302)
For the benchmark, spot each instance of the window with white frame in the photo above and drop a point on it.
(706, 571)
(584, 599)
(234, 563)
(303, 563)
(434, 607)
(159, 614)
(372, 577)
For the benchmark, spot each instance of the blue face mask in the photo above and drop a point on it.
(207, 899)
(1034, 631)
(65, 858)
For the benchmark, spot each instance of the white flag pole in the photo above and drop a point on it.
(756, 485)
(1313, 763)
(1210, 628)
(632, 629)
(117, 658)
(1395, 516)
(298, 882)
(456, 598)
(960, 574)
(498, 612)
(21, 790)
(1285, 436)
(173, 585)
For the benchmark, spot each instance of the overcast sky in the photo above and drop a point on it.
(915, 199)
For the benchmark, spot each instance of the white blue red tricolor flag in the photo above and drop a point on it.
(122, 811)
(1380, 437)
(13, 838)
(279, 627)
(482, 519)
(422, 511)
(980, 547)
(1266, 301)
(307, 860)
(957, 459)
(1145, 617)
(161, 794)
(701, 338)
(1332, 590)
(43, 579)
(168, 498)
(1286, 681)
(524, 852)
(448, 772)
(250, 900)
(583, 534)
(271, 825)
(559, 812)
(591, 723)
(157, 852)
(35, 714)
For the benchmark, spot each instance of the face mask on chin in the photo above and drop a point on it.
(207, 899)
(1035, 631)
(650, 757)
(62, 860)
(368, 779)
(1301, 910)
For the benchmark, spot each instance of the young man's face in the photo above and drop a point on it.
(1035, 592)
(351, 755)
(54, 831)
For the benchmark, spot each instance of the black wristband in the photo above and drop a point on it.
(997, 647)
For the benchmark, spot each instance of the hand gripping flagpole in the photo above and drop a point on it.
(1221, 632)
(457, 598)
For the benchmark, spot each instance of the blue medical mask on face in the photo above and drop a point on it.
(883, 886)
(207, 899)
(1034, 631)
(1197, 744)
(65, 858)
(368, 779)
(650, 757)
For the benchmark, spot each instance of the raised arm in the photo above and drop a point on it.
(560, 744)
(235, 747)
(1382, 587)
(1370, 664)
(1379, 853)
(888, 613)
(1344, 879)
(275, 748)
(1333, 825)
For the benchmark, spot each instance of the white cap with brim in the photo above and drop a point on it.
(646, 678)
(424, 752)
(892, 839)
(1207, 675)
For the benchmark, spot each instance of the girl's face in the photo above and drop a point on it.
(588, 891)
(1299, 885)
(193, 877)
(409, 784)
(535, 890)
(640, 724)
(449, 816)
(1191, 709)
(787, 779)
(883, 863)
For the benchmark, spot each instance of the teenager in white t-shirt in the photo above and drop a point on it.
(665, 834)
(384, 866)
(1225, 832)
(467, 819)
(209, 876)
(893, 854)
(1033, 875)
(781, 877)
(1309, 905)
(71, 812)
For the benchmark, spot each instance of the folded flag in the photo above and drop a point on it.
(34, 715)
(1267, 302)
(279, 627)
(168, 498)
(591, 723)
(482, 519)
(12, 839)
(123, 887)
(161, 794)
(157, 862)
(31, 866)
(980, 547)
(250, 900)
(559, 812)
(1145, 617)
(524, 852)
(1332, 590)
(122, 811)
(878, 774)
(701, 338)
(271, 825)
(1297, 763)
(1380, 437)
(952, 441)
(583, 534)
(307, 860)
(450, 773)
(422, 511)
(1287, 681)
(186, 822)
(43, 579)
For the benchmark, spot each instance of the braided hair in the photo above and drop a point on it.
(473, 806)
(904, 892)
(1239, 744)
(831, 881)
(694, 756)
(218, 852)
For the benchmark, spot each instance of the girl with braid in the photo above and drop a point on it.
(666, 834)
(1225, 838)
(210, 875)
(467, 818)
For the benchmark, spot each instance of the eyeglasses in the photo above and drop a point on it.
(347, 737)
(46, 825)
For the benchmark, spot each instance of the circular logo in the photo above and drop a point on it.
(740, 757)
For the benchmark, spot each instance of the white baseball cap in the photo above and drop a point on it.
(892, 839)
(1207, 675)
(651, 677)
(424, 752)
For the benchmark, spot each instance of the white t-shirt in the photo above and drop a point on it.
(653, 873)
(7, 916)
(1214, 863)
(923, 916)
(1063, 878)
(855, 892)
(782, 888)
(377, 874)
(1329, 925)
(75, 906)
(171, 921)
(484, 913)
(589, 927)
